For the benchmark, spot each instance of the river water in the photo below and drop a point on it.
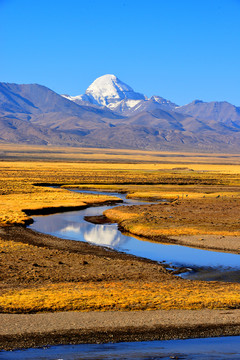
(193, 349)
(202, 264)
(209, 265)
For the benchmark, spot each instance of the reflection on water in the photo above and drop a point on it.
(104, 235)
(194, 349)
(99, 234)
(71, 225)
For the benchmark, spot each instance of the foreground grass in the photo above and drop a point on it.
(122, 295)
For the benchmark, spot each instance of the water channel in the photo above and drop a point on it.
(202, 264)
(209, 265)
(221, 348)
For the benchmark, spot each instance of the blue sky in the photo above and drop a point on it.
(181, 50)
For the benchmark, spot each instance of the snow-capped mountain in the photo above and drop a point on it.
(165, 104)
(109, 91)
(112, 115)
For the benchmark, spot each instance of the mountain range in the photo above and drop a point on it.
(112, 115)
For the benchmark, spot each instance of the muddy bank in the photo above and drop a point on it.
(54, 260)
(22, 331)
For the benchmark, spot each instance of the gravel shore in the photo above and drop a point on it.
(31, 330)
(229, 244)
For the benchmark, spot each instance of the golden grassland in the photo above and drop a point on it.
(18, 179)
(13, 206)
(185, 194)
(169, 159)
(196, 186)
(193, 215)
(125, 294)
(122, 295)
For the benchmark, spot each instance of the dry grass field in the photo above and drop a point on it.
(203, 197)
(36, 279)
(121, 295)
(141, 180)
(18, 180)
(192, 216)
(36, 153)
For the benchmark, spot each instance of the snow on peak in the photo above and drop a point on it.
(109, 89)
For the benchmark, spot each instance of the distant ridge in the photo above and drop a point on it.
(112, 115)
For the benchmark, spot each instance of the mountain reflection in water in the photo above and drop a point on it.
(206, 265)
(99, 234)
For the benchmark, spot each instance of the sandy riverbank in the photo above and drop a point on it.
(229, 244)
(20, 330)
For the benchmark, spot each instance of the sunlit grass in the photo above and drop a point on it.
(122, 295)
(133, 159)
(12, 246)
(12, 206)
(180, 194)
(143, 181)
(194, 214)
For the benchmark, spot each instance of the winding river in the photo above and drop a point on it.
(201, 264)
